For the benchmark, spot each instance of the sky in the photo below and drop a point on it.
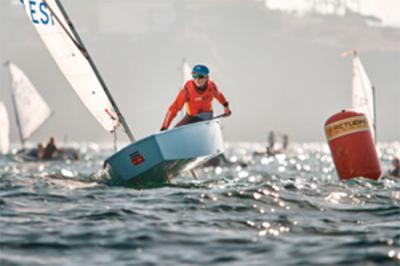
(279, 71)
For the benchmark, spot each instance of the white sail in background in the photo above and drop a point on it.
(186, 75)
(59, 40)
(4, 130)
(32, 110)
(186, 71)
(363, 96)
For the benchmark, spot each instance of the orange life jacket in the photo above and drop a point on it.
(197, 101)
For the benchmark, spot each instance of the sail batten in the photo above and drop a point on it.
(30, 108)
(68, 51)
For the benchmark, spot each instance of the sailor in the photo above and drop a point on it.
(396, 171)
(51, 149)
(198, 94)
(285, 143)
(40, 151)
(270, 148)
(271, 143)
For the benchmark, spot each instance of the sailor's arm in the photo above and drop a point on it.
(222, 100)
(175, 107)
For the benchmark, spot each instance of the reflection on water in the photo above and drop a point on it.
(288, 209)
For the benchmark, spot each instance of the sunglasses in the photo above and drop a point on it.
(198, 76)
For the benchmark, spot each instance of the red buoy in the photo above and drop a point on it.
(352, 146)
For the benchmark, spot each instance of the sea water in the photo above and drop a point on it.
(287, 209)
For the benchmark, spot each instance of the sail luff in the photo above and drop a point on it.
(17, 120)
(5, 130)
(72, 38)
(374, 108)
(86, 54)
(363, 99)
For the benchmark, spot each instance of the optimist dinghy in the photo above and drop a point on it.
(31, 112)
(156, 159)
(30, 109)
(32, 155)
(151, 160)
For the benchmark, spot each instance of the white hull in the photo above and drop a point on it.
(160, 157)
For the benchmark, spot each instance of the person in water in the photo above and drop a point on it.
(396, 171)
(198, 94)
(51, 149)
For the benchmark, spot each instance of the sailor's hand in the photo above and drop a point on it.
(163, 128)
(227, 111)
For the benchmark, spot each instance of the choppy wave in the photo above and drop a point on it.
(289, 209)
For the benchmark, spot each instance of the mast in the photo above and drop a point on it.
(16, 114)
(17, 119)
(78, 42)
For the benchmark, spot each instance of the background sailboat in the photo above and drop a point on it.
(5, 130)
(30, 109)
(31, 112)
(363, 96)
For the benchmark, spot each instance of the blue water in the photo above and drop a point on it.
(289, 209)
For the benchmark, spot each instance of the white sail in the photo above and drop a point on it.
(186, 75)
(186, 71)
(4, 130)
(32, 110)
(363, 97)
(59, 40)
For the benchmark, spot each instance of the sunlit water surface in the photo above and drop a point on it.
(289, 209)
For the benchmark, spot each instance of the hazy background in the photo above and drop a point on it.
(280, 67)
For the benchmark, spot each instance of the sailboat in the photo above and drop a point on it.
(150, 161)
(5, 130)
(363, 92)
(31, 112)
